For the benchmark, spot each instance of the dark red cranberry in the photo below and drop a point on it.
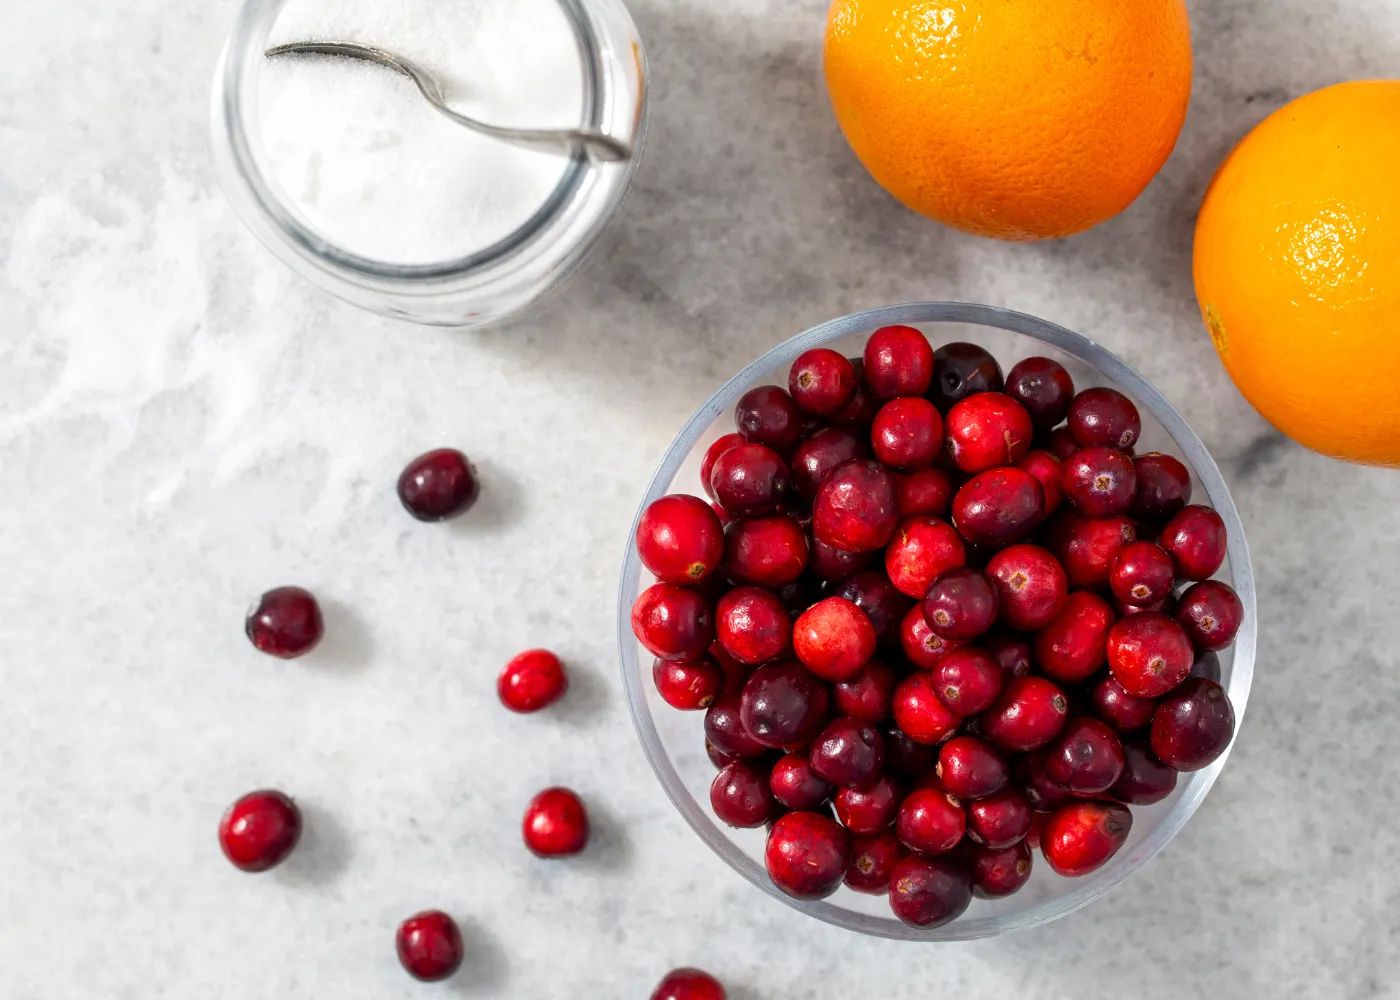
(719, 759)
(736, 674)
(923, 646)
(1043, 794)
(867, 695)
(898, 362)
(856, 508)
(999, 820)
(1211, 614)
(1141, 574)
(904, 756)
(962, 370)
(1087, 546)
(1207, 665)
(752, 625)
(672, 622)
(750, 480)
(998, 508)
(1102, 416)
(1075, 643)
(987, 431)
(1060, 443)
(1038, 819)
(833, 639)
(1043, 387)
(1193, 725)
(807, 854)
(725, 731)
(260, 830)
(859, 414)
(765, 551)
(1145, 779)
(926, 492)
(1029, 713)
(921, 549)
(882, 603)
(929, 892)
(680, 539)
(767, 415)
(1087, 757)
(1124, 712)
(1081, 836)
(1164, 486)
(533, 680)
(1048, 471)
(961, 604)
(873, 858)
(740, 797)
(1030, 585)
(1149, 654)
(822, 382)
(972, 768)
(795, 785)
(848, 753)
(919, 712)
(968, 680)
(930, 821)
(784, 704)
(1166, 606)
(286, 623)
(833, 565)
(907, 433)
(429, 946)
(817, 456)
(556, 824)
(1012, 651)
(688, 984)
(712, 454)
(999, 873)
(868, 808)
(438, 485)
(1195, 539)
(1099, 481)
(688, 685)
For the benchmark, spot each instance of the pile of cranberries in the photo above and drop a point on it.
(937, 617)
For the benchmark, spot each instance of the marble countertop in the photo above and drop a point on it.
(184, 424)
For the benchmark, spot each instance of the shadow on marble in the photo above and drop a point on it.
(485, 966)
(348, 646)
(324, 852)
(501, 503)
(609, 845)
(585, 704)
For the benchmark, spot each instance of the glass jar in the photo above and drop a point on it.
(484, 286)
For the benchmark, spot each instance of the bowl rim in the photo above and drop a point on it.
(1198, 783)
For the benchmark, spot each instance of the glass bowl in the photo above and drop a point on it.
(674, 741)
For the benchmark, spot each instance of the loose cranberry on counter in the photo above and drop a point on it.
(752, 625)
(930, 822)
(822, 382)
(1142, 574)
(1029, 713)
(968, 680)
(680, 539)
(765, 551)
(767, 415)
(1082, 836)
(906, 757)
(1195, 539)
(987, 431)
(961, 370)
(1075, 644)
(1149, 654)
(1060, 443)
(927, 492)
(1211, 614)
(1164, 486)
(1087, 757)
(688, 984)
(1043, 387)
(1031, 587)
(922, 548)
(998, 508)
(1103, 416)
(740, 796)
(873, 859)
(999, 873)
(921, 644)
(750, 480)
(1145, 779)
(807, 855)
(1124, 712)
(712, 454)
(961, 604)
(429, 946)
(1012, 651)
(724, 730)
(286, 623)
(438, 485)
(999, 820)
(907, 433)
(898, 362)
(1193, 725)
(833, 639)
(1087, 546)
(929, 892)
(673, 623)
(784, 704)
(868, 808)
(688, 685)
(819, 455)
(882, 603)
(919, 712)
(856, 507)
(1048, 470)
(972, 768)
(556, 824)
(1042, 793)
(1207, 665)
(848, 753)
(260, 830)
(868, 693)
(533, 680)
(832, 565)
(1099, 481)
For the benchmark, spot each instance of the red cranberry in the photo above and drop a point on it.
(882, 603)
(1087, 546)
(919, 712)
(904, 756)
(868, 808)
(1099, 481)
(1195, 539)
(260, 830)
(712, 454)
(1042, 793)
(1207, 665)
(1060, 443)
(848, 753)
(907, 433)
(921, 549)
(740, 797)
(1102, 416)
(688, 984)
(286, 623)
(765, 551)
(929, 821)
(962, 370)
(1193, 725)
(672, 622)
(556, 824)
(1012, 651)
(1048, 470)
(1145, 779)
(438, 485)
(926, 492)
(822, 382)
(725, 731)
(1166, 606)
(783, 704)
(999, 820)
(532, 680)
(835, 565)
(1211, 614)
(998, 508)
(1043, 387)
(1149, 654)
(929, 892)
(961, 604)
(987, 431)
(752, 625)
(1029, 713)
(680, 539)
(867, 695)
(971, 768)
(1087, 757)
(429, 946)
(833, 639)
(1164, 486)
(807, 855)
(856, 508)
(767, 415)
(1030, 584)
(1075, 644)
(688, 685)
(968, 680)
(999, 873)
(873, 858)
(818, 455)
(1080, 837)
(1037, 824)
(750, 480)
(898, 362)
(795, 785)
(860, 412)
(735, 673)
(1124, 712)
(921, 644)
(1142, 574)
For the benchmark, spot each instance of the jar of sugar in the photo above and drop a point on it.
(348, 174)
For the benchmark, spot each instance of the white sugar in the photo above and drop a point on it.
(372, 167)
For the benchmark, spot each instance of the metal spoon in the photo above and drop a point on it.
(591, 142)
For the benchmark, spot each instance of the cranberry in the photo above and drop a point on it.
(740, 797)
(1048, 470)
(1193, 725)
(904, 756)
(923, 646)
(834, 639)
(835, 565)
(867, 695)
(860, 412)
(998, 508)
(919, 712)
(907, 433)
(767, 415)
(438, 485)
(1060, 443)
(1087, 757)
(1211, 614)
(971, 768)
(807, 854)
(556, 824)
(765, 551)
(1041, 792)
(1164, 486)
(260, 830)
(1075, 644)
(1141, 574)
(286, 623)
(930, 821)
(429, 946)
(735, 673)
(1145, 779)
(1099, 481)
(1012, 651)
(795, 785)
(1037, 824)
(1102, 416)
(1080, 837)
(868, 808)
(927, 492)
(1043, 387)
(752, 625)
(750, 480)
(1028, 714)
(999, 820)
(856, 508)
(898, 362)
(1087, 546)
(968, 680)
(688, 685)
(1207, 665)
(988, 430)
(725, 731)
(921, 549)
(712, 454)
(1149, 654)
(1166, 606)
(672, 622)
(532, 680)
(1030, 584)
(962, 370)
(884, 605)
(688, 984)
(783, 704)
(873, 858)
(680, 539)
(1124, 712)
(818, 455)
(999, 873)
(822, 382)
(961, 604)
(929, 892)
(848, 753)
(1195, 539)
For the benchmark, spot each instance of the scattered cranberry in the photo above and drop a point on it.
(672, 622)
(1099, 481)
(1145, 779)
(680, 539)
(817, 456)
(1048, 470)
(1195, 539)
(1030, 584)
(968, 680)
(1087, 546)
(1124, 712)
(438, 485)
(833, 639)
(1149, 654)
(724, 729)
(860, 412)
(260, 830)
(1102, 416)
(1075, 643)
(882, 603)
(556, 824)
(1211, 614)
(905, 757)
(532, 680)
(767, 415)
(822, 382)
(1012, 651)
(1080, 837)
(1043, 794)
(972, 768)
(929, 821)
(807, 855)
(920, 550)
(750, 480)
(868, 808)
(429, 946)
(988, 430)
(286, 622)
(907, 433)
(833, 565)
(1060, 443)
(1142, 574)
(919, 712)
(1207, 665)
(898, 362)
(783, 704)
(867, 694)
(999, 820)
(961, 604)
(962, 370)
(856, 507)
(998, 508)
(688, 685)
(688, 984)
(1029, 714)
(921, 644)
(1043, 387)
(928, 892)
(1087, 757)
(873, 859)
(712, 454)
(848, 753)
(752, 625)
(999, 873)
(1193, 725)
(927, 492)
(765, 551)
(740, 797)
(1164, 486)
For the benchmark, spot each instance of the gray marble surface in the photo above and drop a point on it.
(184, 424)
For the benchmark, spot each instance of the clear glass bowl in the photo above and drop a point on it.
(674, 741)
(485, 286)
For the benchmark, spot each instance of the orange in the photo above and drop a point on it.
(1020, 119)
(1298, 270)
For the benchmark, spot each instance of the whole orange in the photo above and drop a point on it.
(1297, 269)
(1020, 119)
